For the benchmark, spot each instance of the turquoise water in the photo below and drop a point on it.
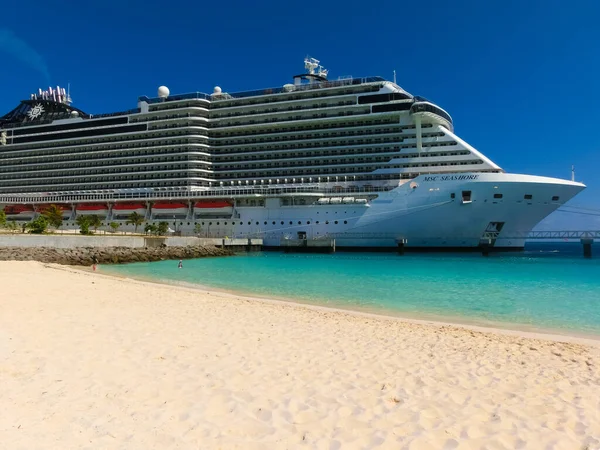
(549, 286)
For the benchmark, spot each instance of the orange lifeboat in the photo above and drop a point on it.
(125, 209)
(19, 212)
(66, 209)
(169, 209)
(213, 208)
(92, 209)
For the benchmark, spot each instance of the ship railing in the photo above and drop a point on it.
(268, 91)
(220, 192)
(537, 235)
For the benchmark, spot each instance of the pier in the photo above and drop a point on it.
(587, 239)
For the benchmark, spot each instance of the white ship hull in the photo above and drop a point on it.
(420, 213)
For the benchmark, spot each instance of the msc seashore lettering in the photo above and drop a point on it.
(451, 177)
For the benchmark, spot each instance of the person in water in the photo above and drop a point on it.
(94, 262)
(180, 266)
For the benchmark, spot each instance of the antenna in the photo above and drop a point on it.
(572, 173)
(310, 64)
(394, 76)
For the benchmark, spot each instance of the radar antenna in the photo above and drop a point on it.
(310, 64)
(322, 72)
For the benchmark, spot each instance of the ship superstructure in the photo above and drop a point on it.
(360, 159)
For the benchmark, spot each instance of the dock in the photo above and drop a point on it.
(587, 238)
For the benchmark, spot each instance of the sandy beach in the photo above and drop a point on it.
(91, 361)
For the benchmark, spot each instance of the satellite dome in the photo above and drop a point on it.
(163, 92)
(217, 90)
(74, 114)
(288, 87)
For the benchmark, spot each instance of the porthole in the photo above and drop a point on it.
(256, 223)
(282, 222)
(336, 222)
(217, 223)
(224, 223)
(308, 222)
(249, 223)
(555, 198)
(188, 223)
(528, 197)
(497, 195)
(209, 223)
(317, 222)
(345, 222)
(273, 222)
(327, 222)
(265, 222)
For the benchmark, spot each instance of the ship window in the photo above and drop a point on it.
(466, 196)
(249, 223)
(453, 195)
(217, 223)
(345, 222)
(528, 196)
(497, 195)
(290, 222)
(265, 222)
(209, 223)
(555, 198)
(327, 222)
(336, 222)
(282, 222)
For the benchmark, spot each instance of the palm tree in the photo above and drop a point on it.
(95, 222)
(54, 215)
(135, 219)
(84, 224)
(2, 218)
(114, 226)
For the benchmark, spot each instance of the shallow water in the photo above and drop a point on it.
(549, 286)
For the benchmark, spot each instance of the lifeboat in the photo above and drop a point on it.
(169, 209)
(19, 212)
(92, 209)
(213, 208)
(125, 209)
(66, 209)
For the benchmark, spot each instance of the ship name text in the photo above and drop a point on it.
(451, 178)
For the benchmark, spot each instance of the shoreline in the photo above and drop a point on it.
(473, 324)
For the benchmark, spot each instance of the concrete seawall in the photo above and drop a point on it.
(75, 241)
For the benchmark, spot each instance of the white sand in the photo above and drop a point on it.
(89, 361)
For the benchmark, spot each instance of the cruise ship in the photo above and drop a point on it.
(358, 160)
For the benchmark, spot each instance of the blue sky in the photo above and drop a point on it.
(520, 78)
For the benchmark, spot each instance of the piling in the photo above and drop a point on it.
(485, 245)
(401, 244)
(587, 247)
